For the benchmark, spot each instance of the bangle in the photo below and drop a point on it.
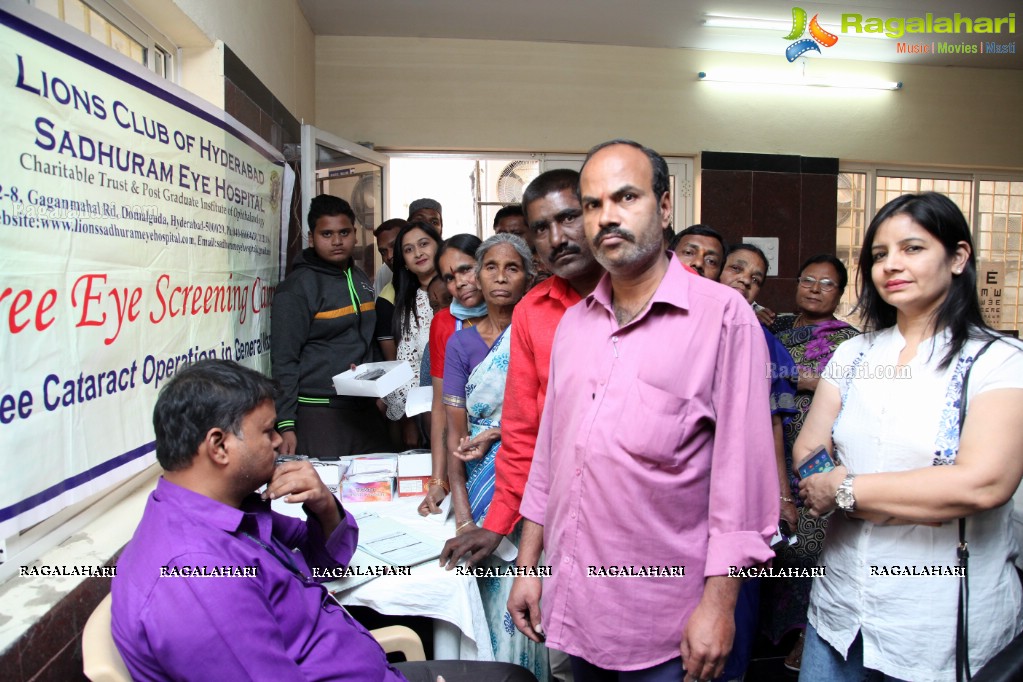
(786, 499)
(461, 526)
(439, 481)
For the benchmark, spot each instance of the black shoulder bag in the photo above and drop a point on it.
(1007, 664)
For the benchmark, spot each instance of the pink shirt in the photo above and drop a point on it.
(534, 322)
(654, 449)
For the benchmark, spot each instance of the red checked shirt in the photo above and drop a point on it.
(534, 322)
(654, 450)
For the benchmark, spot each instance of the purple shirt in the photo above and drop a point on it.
(655, 449)
(273, 626)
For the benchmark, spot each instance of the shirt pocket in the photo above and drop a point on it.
(652, 425)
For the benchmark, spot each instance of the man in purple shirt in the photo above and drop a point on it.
(654, 451)
(214, 585)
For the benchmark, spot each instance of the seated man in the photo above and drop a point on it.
(214, 585)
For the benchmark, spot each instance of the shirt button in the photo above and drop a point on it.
(567, 560)
(572, 515)
(614, 339)
(578, 472)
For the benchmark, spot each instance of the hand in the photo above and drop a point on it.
(789, 514)
(479, 543)
(289, 443)
(296, 482)
(818, 491)
(470, 449)
(808, 380)
(706, 641)
(430, 503)
(766, 315)
(524, 607)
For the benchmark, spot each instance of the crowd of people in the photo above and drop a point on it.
(610, 399)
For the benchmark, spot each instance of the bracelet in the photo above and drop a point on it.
(439, 481)
(786, 499)
(460, 527)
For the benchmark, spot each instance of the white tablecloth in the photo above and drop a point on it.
(430, 591)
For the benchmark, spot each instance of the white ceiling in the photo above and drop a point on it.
(657, 23)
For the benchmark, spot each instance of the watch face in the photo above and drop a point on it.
(844, 496)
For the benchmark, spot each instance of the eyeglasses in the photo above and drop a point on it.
(826, 285)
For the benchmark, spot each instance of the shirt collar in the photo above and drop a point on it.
(561, 290)
(207, 510)
(673, 288)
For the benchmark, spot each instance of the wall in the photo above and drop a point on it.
(404, 93)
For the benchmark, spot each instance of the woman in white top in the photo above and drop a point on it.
(413, 266)
(888, 409)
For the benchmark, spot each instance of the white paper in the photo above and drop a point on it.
(392, 542)
(385, 467)
(419, 400)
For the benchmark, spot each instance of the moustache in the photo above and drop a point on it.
(613, 230)
(566, 249)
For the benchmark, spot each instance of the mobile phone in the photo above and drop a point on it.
(371, 375)
(819, 462)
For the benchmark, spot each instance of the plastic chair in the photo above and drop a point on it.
(102, 661)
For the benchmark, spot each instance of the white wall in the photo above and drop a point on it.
(403, 93)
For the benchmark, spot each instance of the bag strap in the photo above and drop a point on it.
(963, 552)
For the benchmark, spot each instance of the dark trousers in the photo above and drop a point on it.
(325, 432)
(669, 671)
(464, 671)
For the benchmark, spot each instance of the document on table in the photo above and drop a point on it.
(389, 541)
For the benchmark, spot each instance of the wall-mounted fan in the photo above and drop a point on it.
(364, 200)
(510, 184)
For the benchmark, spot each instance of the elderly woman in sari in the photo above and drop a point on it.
(475, 369)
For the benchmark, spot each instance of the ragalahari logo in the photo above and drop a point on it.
(818, 36)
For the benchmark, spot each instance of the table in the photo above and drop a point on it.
(451, 600)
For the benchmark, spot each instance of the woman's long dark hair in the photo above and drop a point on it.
(960, 311)
(406, 282)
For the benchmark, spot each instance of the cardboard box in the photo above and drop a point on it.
(413, 486)
(414, 470)
(367, 489)
(394, 375)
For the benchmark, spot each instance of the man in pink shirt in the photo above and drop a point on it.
(654, 457)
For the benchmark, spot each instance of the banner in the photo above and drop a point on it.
(140, 230)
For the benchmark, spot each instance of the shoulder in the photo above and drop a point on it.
(1001, 365)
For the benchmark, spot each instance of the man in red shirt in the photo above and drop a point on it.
(554, 218)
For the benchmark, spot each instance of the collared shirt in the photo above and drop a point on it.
(655, 449)
(897, 585)
(534, 322)
(270, 626)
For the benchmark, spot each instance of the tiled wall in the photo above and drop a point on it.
(52, 648)
(793, 198)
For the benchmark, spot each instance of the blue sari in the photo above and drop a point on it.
(484, 400)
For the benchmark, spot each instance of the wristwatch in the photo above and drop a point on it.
(844, 494)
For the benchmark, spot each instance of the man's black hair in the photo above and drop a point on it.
(700, 230)
(328, 204)
(659, 167)
(555, 180)
(204, 395)
(509, 212)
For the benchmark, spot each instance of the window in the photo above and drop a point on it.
(118, 27)
(993, 207)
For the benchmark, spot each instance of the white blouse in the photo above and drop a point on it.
(893, 422)
(410, 347)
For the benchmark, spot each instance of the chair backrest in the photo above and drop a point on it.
(102, 661)
(400, 638)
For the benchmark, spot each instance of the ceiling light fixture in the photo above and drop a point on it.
(761, 78)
